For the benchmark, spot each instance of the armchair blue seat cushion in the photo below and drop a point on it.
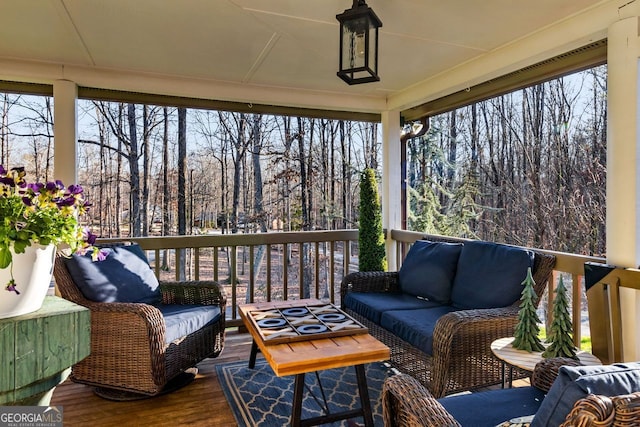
(495, 406)
(489, 275)
(182, 320)
(428, 269)
(124, 276)
(372, 304)
(576, 382)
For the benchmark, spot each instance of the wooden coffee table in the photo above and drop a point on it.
(312, 355)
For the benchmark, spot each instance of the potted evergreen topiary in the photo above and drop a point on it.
(370, 238)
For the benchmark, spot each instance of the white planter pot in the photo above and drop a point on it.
(32, 272)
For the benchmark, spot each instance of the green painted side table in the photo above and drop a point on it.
(37, 350)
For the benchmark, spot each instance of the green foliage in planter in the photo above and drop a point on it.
(527, 329)
(561, 329)
(370, 237)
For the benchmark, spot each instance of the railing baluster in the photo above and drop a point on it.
(332, 269)
(346, 259)
(301, 270)
(216, 263)
(252, 278)
(268, 272)
(178, 258)
(233, 259)
(157, 265)
(196, 257)
(285, 271)
(317, 269)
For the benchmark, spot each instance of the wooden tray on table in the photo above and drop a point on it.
(304, 322)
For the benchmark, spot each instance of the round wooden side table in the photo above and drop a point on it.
(526, 361)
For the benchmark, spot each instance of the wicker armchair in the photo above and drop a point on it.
(406, 402)
(128, 349)
(462, 358)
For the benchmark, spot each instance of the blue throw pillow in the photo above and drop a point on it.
(489, 275)
(428, 269)
(124, 276)
(576, 382)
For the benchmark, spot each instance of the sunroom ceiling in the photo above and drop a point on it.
(264, 47)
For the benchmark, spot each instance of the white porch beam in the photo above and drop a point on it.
(65, 131)
(37, 72)
(563, 36)
(623, 166)
(391, 185)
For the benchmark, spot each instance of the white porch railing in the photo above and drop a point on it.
(282, 274)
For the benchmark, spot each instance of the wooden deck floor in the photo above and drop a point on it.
(201, 403)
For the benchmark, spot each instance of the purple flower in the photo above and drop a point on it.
(75, 189)
(35, 187)
(53, 187)
(69, 201)
(90, 238)
(11, 287)
(100, 255)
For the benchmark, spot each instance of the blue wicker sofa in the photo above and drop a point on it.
(440, 312)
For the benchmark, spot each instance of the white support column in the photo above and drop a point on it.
(391, 185)
(623, 166)
(65, 129)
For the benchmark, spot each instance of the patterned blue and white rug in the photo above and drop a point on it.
(260, 398)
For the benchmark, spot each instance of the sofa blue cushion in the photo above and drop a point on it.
(428, 270)
(372, 304)
(490, 408)
(575, 382)
(415, 326)
(124, 276)
(489, 275)
(182, 320)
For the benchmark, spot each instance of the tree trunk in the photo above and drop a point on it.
(134, 171)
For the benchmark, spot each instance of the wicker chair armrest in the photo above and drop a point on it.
(489, 323)
(406, 402)
(467, 333)
(597, 410)
(546, 371)
(370, 281)
(204, 292)
(141, 320)
(627, 409)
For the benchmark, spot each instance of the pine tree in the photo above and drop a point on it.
(425, 210)
(370, 237)
(561, 330)
(463, 211)
(527, 330)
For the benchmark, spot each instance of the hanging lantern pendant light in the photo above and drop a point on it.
(359, 44)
